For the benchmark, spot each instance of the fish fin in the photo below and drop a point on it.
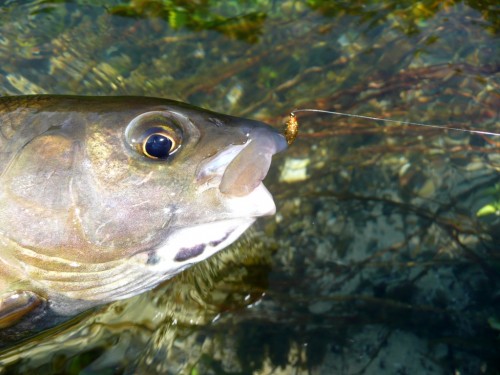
(16, 305)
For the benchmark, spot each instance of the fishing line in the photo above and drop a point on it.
(292, 125)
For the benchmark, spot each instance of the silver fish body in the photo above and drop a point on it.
(102, 198)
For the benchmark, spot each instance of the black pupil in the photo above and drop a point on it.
(158, 146)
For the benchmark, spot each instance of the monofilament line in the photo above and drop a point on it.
(396, 121)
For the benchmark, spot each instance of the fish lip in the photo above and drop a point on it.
(238, 170)
(259, 202)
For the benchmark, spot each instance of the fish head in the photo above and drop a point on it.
(176, 203)
(113, 196)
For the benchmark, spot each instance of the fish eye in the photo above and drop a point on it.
(158, 145)
(154, 135)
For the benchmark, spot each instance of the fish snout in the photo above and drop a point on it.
(238, 170)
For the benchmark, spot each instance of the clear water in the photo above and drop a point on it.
(376, 262)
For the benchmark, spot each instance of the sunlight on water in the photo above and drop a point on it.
(383, 256)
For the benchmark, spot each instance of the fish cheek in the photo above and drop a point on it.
(122, 201)
(42, 171)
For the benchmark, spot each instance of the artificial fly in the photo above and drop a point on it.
(291, 129)
(292, 125)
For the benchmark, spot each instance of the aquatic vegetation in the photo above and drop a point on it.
(242, 23)
(494, 207)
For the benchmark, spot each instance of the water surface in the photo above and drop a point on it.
(377, 261)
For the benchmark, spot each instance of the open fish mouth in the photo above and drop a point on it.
(250, 166)
(238, 170)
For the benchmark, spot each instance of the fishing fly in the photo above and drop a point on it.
(291, 129)
(292, 125)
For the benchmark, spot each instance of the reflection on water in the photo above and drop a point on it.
(376, 261)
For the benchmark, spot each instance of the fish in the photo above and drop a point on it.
(104, 198)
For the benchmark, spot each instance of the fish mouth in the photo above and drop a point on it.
(249, 167)
(238, 170)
